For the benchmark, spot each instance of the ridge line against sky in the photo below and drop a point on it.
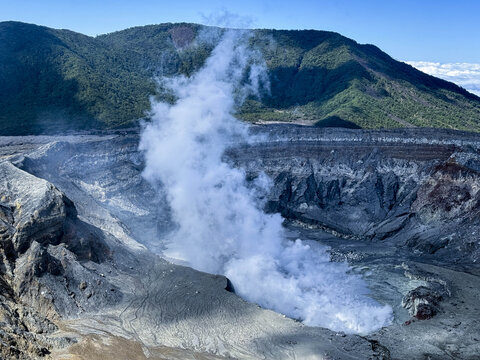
(428, 30)
(439, 37)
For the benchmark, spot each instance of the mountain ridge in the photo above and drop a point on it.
(55, 80)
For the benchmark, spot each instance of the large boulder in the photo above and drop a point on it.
(31, 209)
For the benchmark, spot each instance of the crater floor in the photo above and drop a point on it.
(400, 206)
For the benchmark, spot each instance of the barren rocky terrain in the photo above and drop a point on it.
(81, 231)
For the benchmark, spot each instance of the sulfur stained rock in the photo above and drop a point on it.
(422, 302)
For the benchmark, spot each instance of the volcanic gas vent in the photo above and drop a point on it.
(221, 225)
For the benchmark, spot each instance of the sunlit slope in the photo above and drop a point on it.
(53, 80)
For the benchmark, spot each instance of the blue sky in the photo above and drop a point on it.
(428, 30)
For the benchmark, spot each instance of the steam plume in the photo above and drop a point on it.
(221, 226)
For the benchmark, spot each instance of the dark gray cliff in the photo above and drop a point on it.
(417, 189)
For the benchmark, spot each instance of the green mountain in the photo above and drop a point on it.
(53, 80)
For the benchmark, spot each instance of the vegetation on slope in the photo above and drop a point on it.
(52, 80)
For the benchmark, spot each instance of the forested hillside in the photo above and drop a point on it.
(55, 80)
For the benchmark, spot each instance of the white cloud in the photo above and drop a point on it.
(466, 75)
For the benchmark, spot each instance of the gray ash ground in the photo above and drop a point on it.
(400, 206)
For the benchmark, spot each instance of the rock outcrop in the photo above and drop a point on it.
(40, 271)
(32, 216)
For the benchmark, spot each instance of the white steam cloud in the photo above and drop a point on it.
(221, 225)
(466, 75)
